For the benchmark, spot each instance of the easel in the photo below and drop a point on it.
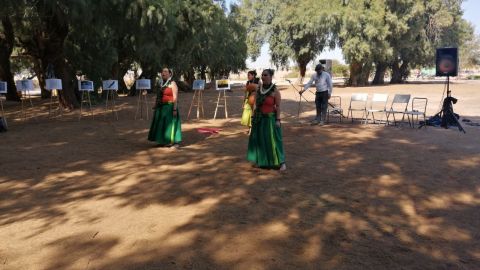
(56, 100)
(25, 86)
(2, 116)
(222, 87)
(142, 101)
(110, 87)
(3, 90)
(85, 88)
(54, 85)
(197, 99)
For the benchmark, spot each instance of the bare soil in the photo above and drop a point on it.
(95, 194)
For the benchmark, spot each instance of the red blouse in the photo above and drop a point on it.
(167, 95)
(268, 105)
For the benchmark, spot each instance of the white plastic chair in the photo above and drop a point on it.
(419, 108)
(358, 102)
(378, 104)
(399, 105)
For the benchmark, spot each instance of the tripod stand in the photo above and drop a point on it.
(300, 98)
(446, 114)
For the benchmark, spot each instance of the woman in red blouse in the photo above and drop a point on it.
(166, 127)
(265, 145)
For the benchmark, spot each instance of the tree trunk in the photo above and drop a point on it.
(359, 73)
(302, 68)
(189, 77)
(203, 75)
(118, 73)
(355, 74)
(404, 71)
(47, 46)
(68, 95)
(399, 72)
(380, 70)
(40, 72)
(6, 48)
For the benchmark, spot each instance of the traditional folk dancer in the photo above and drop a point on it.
(166, 127)
(249, 100)
(265, 146)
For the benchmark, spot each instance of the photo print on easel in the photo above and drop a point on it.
(143, 84)
(110, 85)
(85, 86)
(3, 87)
(198, 85)
(223, 85)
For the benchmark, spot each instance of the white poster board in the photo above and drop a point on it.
(53, 84)
(85, 86)
(110, 85)
(143, 84)
(222, 85)
(24, 85)
(3, 87)
(198, 85)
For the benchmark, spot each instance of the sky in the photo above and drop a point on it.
(470, 7)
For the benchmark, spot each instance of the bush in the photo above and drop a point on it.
(473, 77)
(340, 70)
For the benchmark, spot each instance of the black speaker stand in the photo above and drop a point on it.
(446, 114)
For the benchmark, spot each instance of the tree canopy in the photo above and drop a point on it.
(103, 39)
(374, 35)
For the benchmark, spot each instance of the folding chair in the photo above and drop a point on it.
(358, 102)
(399, 105)
(335, 107)
(378, 104)
(419, 107)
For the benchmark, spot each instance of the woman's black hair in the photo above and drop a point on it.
(169, 70)
(253, 72)
(270, 71)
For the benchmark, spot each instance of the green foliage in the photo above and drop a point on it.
(295, 30)
(340, 70)
(102, 39)
(473, 77)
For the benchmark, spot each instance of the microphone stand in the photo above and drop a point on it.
(299, 99)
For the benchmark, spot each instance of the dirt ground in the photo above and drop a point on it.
(95, 194)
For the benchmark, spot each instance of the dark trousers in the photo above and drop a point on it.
(321, 102)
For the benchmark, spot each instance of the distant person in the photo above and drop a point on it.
(265, 145)
(249, 100)
(324, 85)
(166, 127)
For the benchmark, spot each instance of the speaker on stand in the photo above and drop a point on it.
(447, 65)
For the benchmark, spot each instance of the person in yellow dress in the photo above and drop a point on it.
(249, 100)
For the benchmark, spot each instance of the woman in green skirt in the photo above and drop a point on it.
(265, 145)
(249, 100)
(166, 128)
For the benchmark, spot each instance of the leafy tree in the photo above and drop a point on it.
(363, 37)
(300, 30)
(7, 41)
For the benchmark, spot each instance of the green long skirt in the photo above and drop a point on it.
(247, 114)
(265, 145)
(165, 129)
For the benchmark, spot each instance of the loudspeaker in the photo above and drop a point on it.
(327, 64)
(447, 62)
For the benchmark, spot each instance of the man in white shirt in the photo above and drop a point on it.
(323, 84)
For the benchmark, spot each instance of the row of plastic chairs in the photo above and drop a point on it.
(378, 105)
